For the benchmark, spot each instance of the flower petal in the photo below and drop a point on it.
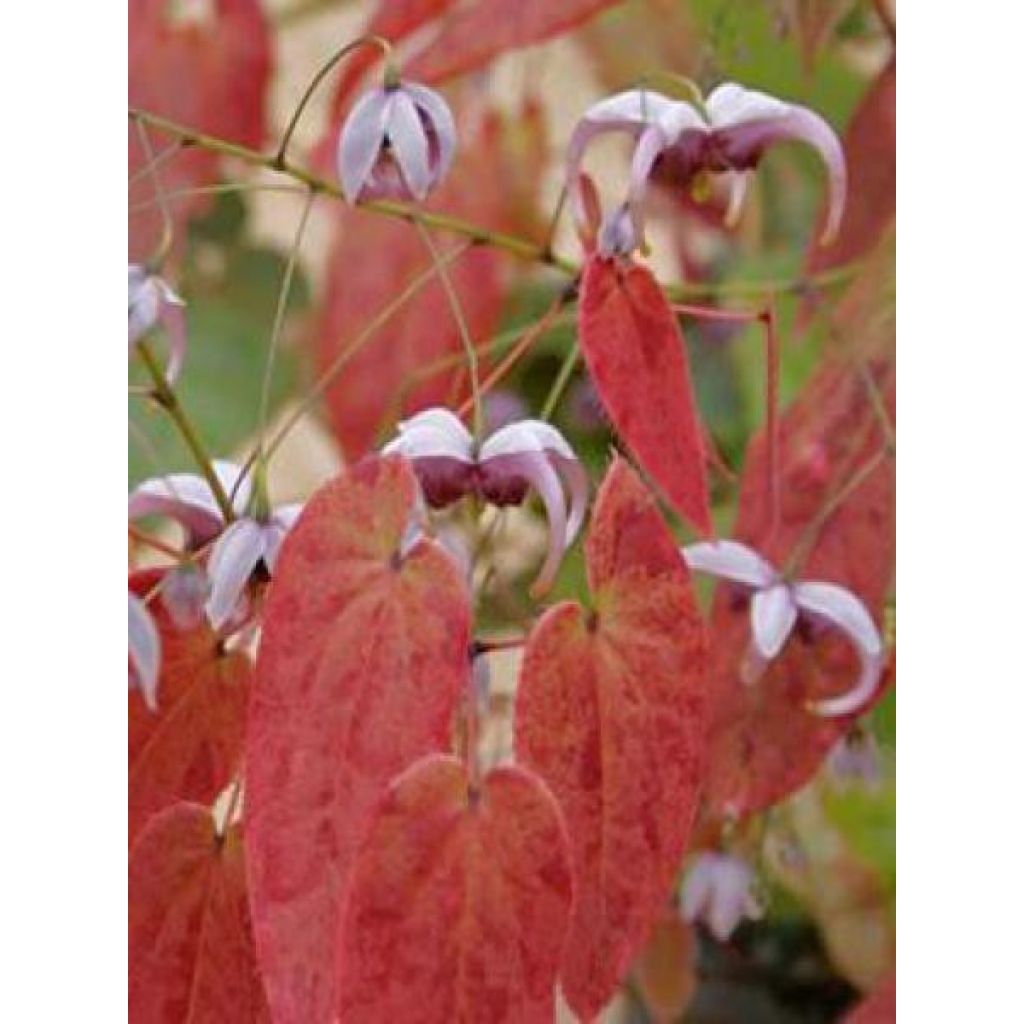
(730, 560)
(739, 181)
(281, 522)
(697, 887)
(143, 649)
(651, 145)
(534, 467)
(442, 419)
(172, 316)
(730, 104)
(237, 552)
(409, 143)
(845, 610)
(361, 140)
(184, 497)
(772, 615)
(439, 115)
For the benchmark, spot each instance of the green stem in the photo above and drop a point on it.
(325, 70)
(560, 382)
(478, 235)
(165, 395)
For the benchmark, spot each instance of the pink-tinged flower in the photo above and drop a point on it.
(856, 760)
(238, 552)
(776, 604)
(150, 302)
(397, 143)
(679, 143)
(514, 458)
(143, 650)
(718, 891)
(189, 500)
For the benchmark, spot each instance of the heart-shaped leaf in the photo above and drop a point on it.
(190, 955)
(362, 662)
(611, 713)
(637, 360)
(459, 901)
(191, 746)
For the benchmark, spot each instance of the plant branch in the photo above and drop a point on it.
(166, 396)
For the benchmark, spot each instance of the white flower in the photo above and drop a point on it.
(776, 604)
(718, 892)
(514, 458)
(681, 142)
(151, 301)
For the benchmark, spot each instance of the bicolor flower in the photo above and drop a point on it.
(718, 891)
(682, 143)
(238, 552)
(514, 458)
(397, 143)
(189, 500)
(143, 650)
(777, 603)
(151, 301)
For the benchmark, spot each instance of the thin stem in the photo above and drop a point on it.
(282, 303)
(214, 190)
(813, 531)
(153, 542)
(165, 395)
(478, 235)
(529, 338)
(331, 373)
(156, 261)
(549, 236)
(560, 382)
(878, 404)
(469, 350)
(161, 158)
(229, 811)
(325, 70)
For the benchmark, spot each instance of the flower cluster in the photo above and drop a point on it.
(510, 461)
(774, 608)
(684, 143)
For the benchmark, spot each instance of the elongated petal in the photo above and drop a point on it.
(739, 181)
(697, 887)
(442, 419)
(772, 615)
(409, 144)
(281, 522)
(651, 145)
(429, 442)
(534, 467)
(845, 610)
(143, 650)
(439, 116)
(237, 552)
(143, 304)
(172, 316)
(730, 104)
(730, 560)
(361, 140)
(184, 497)
(619, 235)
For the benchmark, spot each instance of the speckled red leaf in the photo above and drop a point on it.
(480, 30)
(459, 902)
(191, 747)
(190, 955)
(637, 360)
(209, 73)
(877, 1008)
(765, 743)
(665, 972)
(611, 713)
(362, 661)
(379, 384)
(870, 147)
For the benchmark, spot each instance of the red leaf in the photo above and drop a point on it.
(459, 901)
(478, 31)
(637, 358)
(191, 747)
(211, 75)
(870, 147)
(611, 713)
(362, 661)
(190, 955)
(765, 743)
(877, 1008)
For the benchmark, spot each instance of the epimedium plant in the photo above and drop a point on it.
(317, 831)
